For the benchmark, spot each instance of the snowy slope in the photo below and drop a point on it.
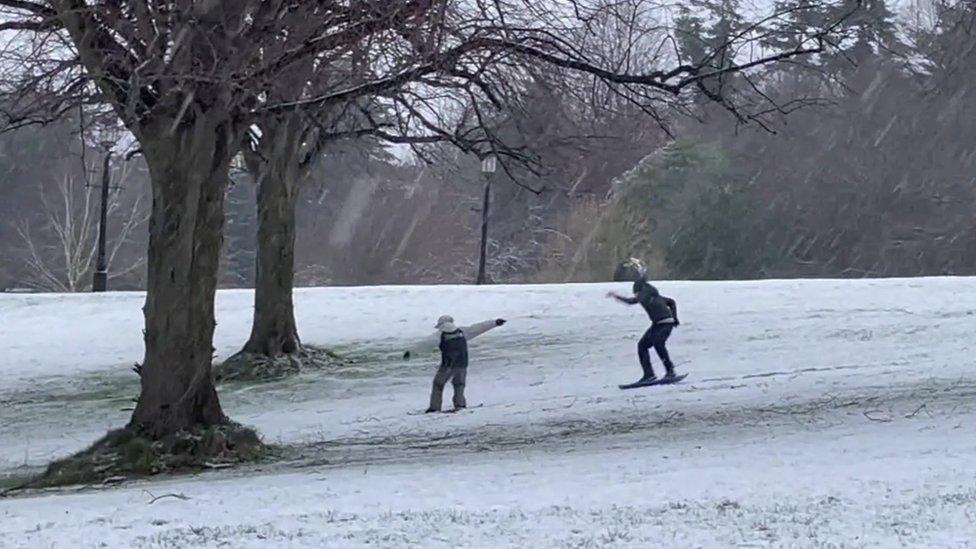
(817, 412)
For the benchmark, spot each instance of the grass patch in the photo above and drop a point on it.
(124, 454)
(13, 482)
(111, 387)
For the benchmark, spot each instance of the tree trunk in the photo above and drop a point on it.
(277, 171)
(273, 331)
(189, 172)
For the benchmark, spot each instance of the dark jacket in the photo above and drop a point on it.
(454, 349)
(660, 309)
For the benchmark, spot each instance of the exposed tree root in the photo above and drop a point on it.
(245, 366)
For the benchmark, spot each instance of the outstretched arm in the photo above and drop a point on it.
(430, 343)
(627, 300)
(476, 330)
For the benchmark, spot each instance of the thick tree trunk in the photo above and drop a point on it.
(273, 331)
(190, 173)
(277, 170)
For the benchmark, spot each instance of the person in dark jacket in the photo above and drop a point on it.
(663, 312)
(454, 365)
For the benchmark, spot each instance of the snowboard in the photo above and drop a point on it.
(450, 411)
(661, 381)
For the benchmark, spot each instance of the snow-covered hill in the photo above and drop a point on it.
(817, 413)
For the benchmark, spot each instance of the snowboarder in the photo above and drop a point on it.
(664, 318)
(454, 364)
(432, 342)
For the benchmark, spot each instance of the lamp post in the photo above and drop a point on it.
(488, 166)
(100, 279)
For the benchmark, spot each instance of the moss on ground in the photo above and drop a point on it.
(124, 454)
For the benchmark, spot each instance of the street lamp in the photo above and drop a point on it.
(488, 166)
(100, 279)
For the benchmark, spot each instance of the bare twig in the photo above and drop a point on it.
(920, 408)
(156, 498)
(878, 415)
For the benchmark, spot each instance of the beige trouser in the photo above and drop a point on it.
(457, 377)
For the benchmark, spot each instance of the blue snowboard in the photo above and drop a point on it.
(661, 381)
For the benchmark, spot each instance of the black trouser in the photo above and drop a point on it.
(655, 336)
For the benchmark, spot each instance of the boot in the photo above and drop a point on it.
(647, 378)
(669, 371)
(648, 375)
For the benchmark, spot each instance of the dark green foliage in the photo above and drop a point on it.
(720, 237)
(687, 210)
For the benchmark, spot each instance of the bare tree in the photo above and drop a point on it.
(60, 265)
(60, 251)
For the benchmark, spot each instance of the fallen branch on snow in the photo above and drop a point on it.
(157, 498)
(873, 415)
(917, 410)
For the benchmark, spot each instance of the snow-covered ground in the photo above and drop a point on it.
(816, 414)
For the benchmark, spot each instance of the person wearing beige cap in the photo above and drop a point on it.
(453, 345)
